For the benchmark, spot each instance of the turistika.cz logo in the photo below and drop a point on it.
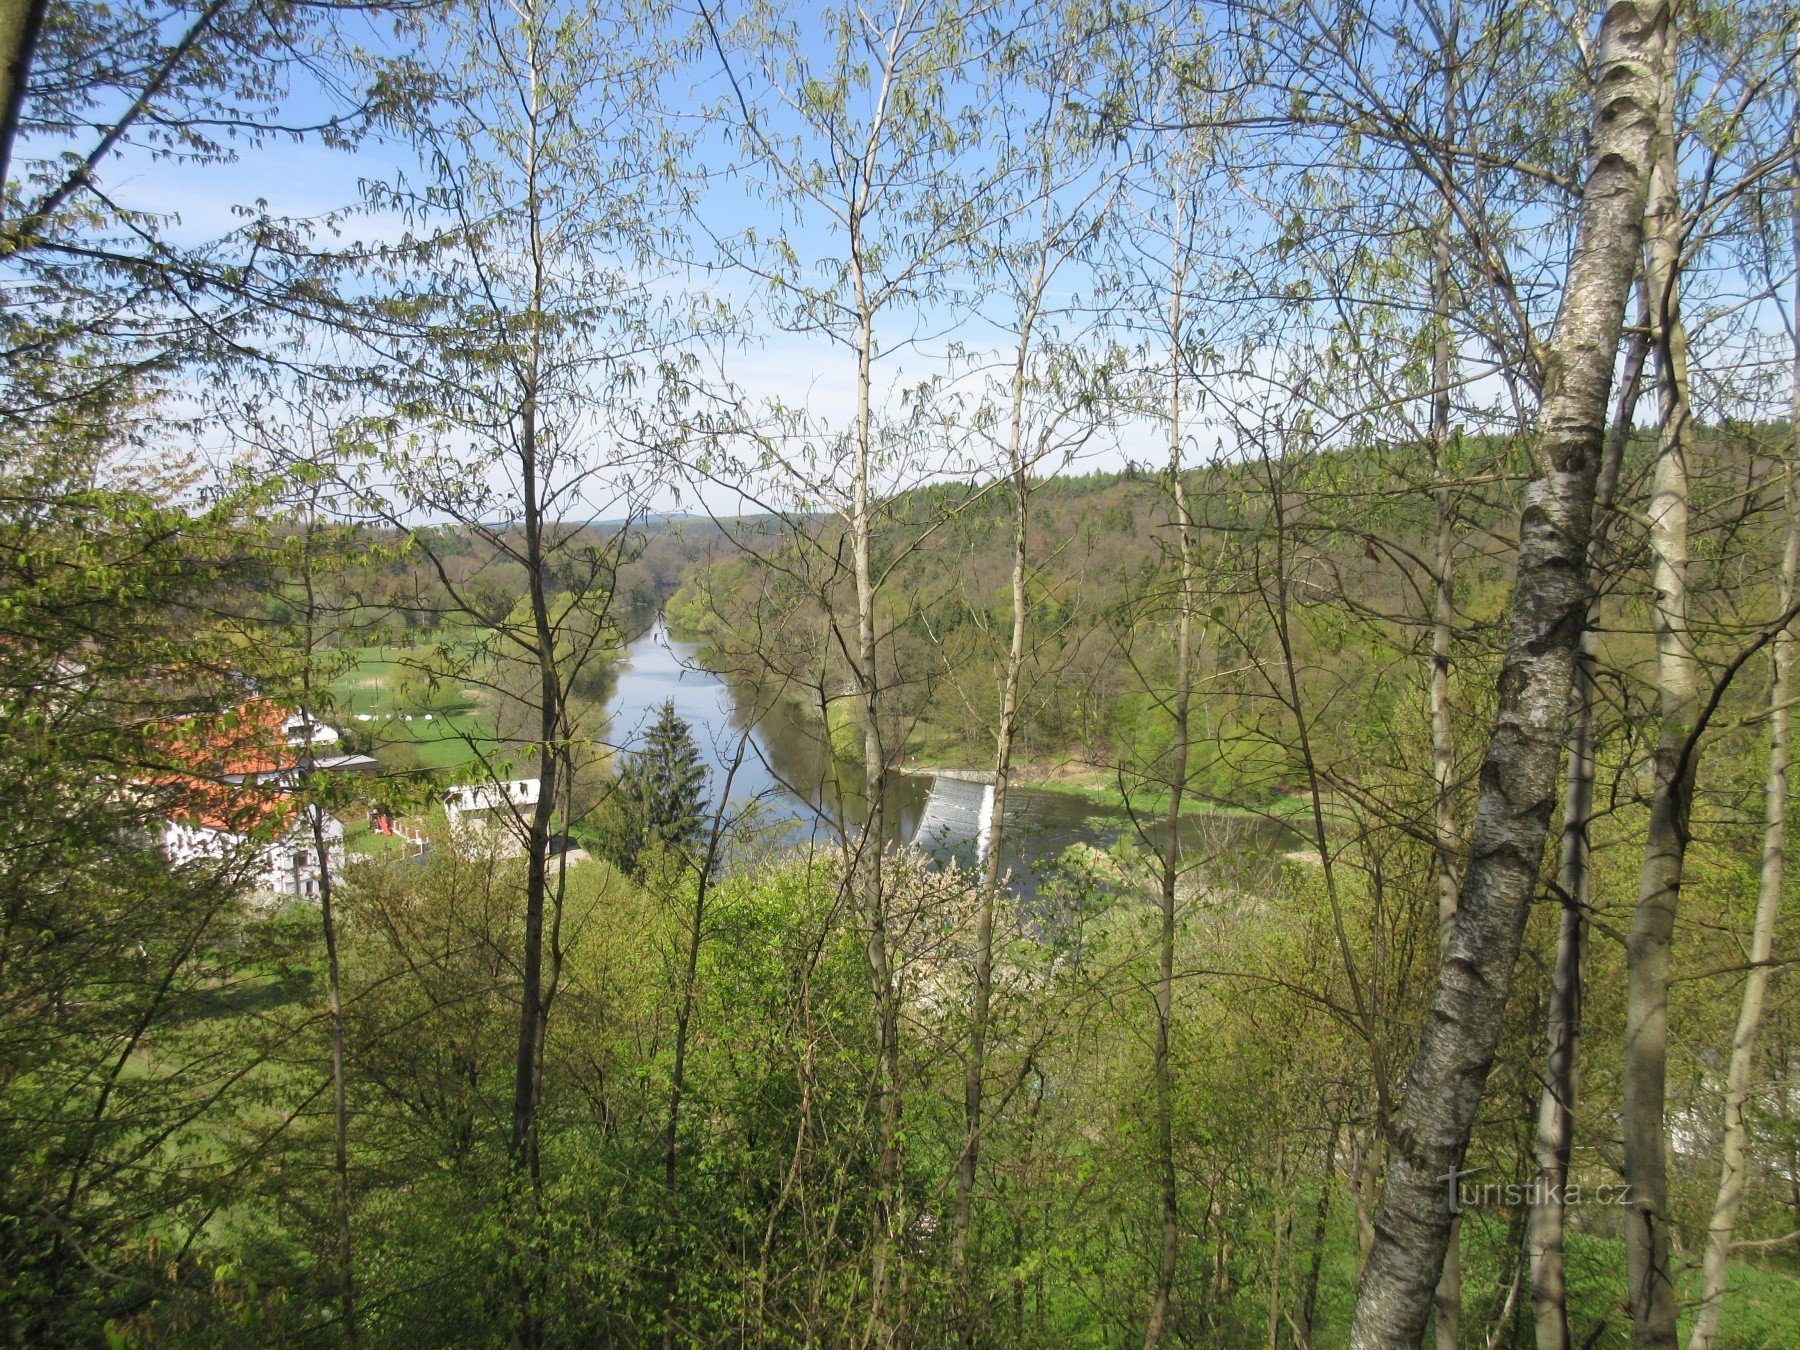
(1465, 1193)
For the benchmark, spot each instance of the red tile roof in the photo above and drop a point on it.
(245, 742)
(234, 808)
(241, 741)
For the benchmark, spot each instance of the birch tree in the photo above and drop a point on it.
(1554, 1131)
(1045, 407)
(1444, 1085)
(1653, 926)
(1413, 264)
(1735, 1134)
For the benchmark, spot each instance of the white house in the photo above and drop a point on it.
(281, 865)
(485, 816)
(303, 729)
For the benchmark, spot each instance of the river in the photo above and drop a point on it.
(795, 790)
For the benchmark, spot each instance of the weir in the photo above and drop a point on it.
(956, 820)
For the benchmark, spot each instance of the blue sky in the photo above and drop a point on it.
(307, 179)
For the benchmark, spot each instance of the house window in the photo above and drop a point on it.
(302, 858)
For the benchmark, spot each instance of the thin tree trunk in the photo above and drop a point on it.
(1511, 1302)
(1734, 1147)
(1321, 1215)
(990, 885)
(1283, 1232)
(1167, 1182)
(1365, 1187)
(1651, 939)
(684, 1019)
(340, 1110)
(334, 985)
(524, 1140)
(1448, 1302)
(537, 848)
(1430, 1132)
(533, 1007)
(20, 23)
(890, 1211)
(1555, 1134)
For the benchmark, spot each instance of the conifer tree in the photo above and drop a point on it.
(661, 795)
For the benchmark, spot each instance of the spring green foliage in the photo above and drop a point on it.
(164, 1100)
(124, 1083)
(165, 1089)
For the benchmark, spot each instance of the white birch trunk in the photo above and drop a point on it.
(1448, 1302)
(1735, 1142)
(1555, 1132)
(1651, 939)
(1519, 772)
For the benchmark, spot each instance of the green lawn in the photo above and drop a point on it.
(1102, 789)
(444, 741)
(377, 694)
(362, 687)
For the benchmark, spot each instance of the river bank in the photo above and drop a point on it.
(1100, 785)
(794, 773)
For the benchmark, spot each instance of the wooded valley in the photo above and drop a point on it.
(944, 672)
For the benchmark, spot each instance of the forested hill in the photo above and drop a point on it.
(1330, 553)
(411, 584)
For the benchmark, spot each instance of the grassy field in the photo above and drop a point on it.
(363, 687)
(1101, 787)
(385, 700)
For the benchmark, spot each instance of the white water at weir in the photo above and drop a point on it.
(957, 815)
